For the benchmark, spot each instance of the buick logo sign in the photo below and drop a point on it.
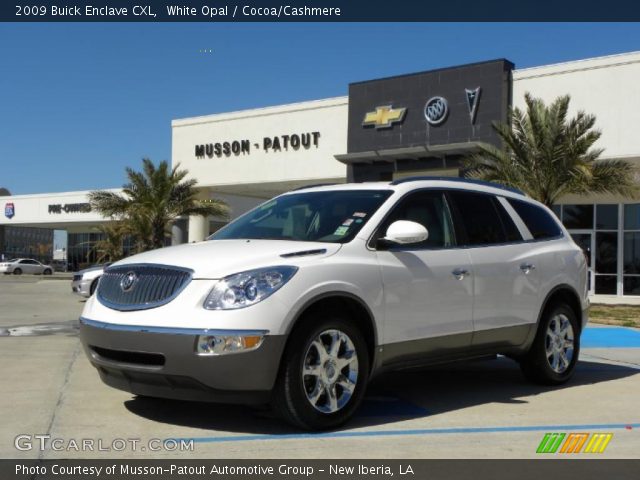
(128, 281)
(436, 110)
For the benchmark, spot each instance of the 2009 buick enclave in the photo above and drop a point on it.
(302, 300)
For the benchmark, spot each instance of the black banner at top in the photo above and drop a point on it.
(316, 11)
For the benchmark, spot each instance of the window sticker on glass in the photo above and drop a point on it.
(359, 214)
(340, 231)
(347, 222)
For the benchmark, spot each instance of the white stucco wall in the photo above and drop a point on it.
(260, 166)
(34, 210)
(607, 87)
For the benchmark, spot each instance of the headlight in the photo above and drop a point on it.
(244, 289)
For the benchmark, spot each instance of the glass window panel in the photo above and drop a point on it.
(513, 234)
(429, 209)
(335, 216)
(538, 221)
(557, 209)
(607, 217)
(606, 252)
(632, 216)
(631, 285)
(480, 218)
(606, 285)
(584, 242)
(631, 251)
(577, 216)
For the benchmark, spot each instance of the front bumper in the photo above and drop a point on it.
(81, 287)
(162, 362)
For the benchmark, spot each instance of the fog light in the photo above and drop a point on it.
(222, 344)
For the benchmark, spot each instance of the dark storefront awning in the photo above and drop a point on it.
(409, 153)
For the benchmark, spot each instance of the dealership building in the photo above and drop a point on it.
(423, 123)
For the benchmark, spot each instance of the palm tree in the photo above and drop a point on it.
(152, 200)
(547, 155)
(110, 248)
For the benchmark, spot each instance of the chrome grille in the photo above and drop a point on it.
(141, 286)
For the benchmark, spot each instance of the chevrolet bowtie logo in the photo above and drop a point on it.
(384, 117)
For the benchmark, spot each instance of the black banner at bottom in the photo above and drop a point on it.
(535, 469)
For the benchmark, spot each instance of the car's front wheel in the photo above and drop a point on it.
(323, 375)
(554, 353)
(17, 271)
(47, 272)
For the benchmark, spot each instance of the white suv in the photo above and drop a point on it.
(302, 300)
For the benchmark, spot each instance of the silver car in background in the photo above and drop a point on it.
(18, 266)
(85, 281)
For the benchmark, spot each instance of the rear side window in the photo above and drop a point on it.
(479, 215)
(539, 222)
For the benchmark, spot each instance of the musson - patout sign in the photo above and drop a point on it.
(278, 143)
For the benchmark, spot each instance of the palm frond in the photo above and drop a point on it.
(547, 155)
(152, 200)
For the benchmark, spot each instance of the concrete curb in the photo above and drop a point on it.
(57, 277)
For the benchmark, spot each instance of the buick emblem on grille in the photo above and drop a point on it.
(436, 110)
(128, 281)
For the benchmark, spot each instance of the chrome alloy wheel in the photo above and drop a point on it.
(330, 371)
(559, 343)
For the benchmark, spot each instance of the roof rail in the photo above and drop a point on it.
(473, 181)
(313, 185)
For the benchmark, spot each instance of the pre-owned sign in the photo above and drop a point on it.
(70, 208)
(278, 143)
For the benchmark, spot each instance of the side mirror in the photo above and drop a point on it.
(404, 232)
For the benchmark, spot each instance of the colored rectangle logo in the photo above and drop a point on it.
(574, 443)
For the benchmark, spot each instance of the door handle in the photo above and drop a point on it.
(460, 273)
(527, 267)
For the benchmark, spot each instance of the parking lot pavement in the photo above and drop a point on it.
(481, 409)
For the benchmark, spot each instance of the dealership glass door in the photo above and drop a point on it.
(586, 242)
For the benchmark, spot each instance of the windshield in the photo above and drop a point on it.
(329, 216)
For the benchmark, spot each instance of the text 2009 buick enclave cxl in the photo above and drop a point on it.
(302, 300)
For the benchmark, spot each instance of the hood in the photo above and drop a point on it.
(215, 259)
(92, 269)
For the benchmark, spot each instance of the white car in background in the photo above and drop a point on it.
(305, 298)
(85, 281)
(18, 266)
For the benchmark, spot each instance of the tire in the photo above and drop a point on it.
(94, 285)
(304, 400)
(553, 356)
(47, 272)
(17, 271)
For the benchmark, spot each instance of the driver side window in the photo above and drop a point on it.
(428, 208)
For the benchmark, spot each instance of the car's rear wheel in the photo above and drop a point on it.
(47, 272)
(554, 353)
(17, 271)
(323, 375)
